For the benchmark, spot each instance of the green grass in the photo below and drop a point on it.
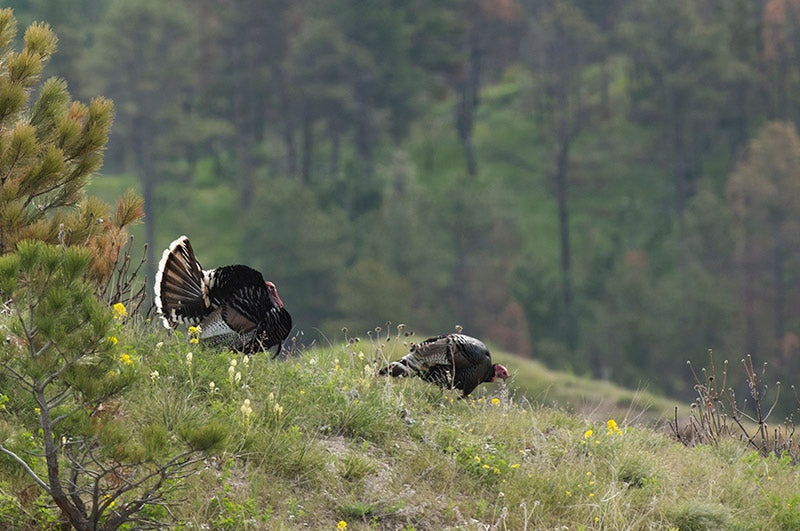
(323, 440)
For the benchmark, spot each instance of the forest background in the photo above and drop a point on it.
(609, 186)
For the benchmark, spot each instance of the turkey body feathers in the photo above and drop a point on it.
(232, 304)
(453, 361)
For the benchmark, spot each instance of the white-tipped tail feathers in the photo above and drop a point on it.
(181, 295)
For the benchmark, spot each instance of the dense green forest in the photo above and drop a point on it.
(611, 187)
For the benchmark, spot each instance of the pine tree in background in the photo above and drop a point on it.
(49, 149)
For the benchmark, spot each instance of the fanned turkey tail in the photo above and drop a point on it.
(181, 292)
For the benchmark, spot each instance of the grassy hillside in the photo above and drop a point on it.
(317, 441)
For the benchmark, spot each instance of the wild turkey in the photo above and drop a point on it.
(232, 305)
(453, 361)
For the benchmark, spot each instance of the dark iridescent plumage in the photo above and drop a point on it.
(232, 305)
(453, 361)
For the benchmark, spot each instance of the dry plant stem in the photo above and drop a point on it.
(120, 285)
(708, 420)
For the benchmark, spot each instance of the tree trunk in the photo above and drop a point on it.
(78, 520)
(560, 179)
(144, 163)
(464, 124)
(468, 89)
(780, 291)
(286, 119)
(336, 145)
(679, 169)
(749, 295)
(308, 144)
(245, 154)
(364, 140)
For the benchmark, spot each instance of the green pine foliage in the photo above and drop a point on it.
(63, 369)
(49, 148)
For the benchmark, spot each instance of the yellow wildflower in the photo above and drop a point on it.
(486, 466)
(612, 427)
(516, 465)
(106, 498)
(193, 330)
(568, 493)
(341, 525)
(588, 473)
(587, 434)
(126, 358)
(194, 340)
(120, 311)
(113, 340)
(495, 400)
(591, 494)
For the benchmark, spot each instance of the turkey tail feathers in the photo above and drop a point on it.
(181, 295)
(401, 367)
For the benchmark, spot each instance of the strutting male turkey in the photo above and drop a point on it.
(453, 361)
(232, 305)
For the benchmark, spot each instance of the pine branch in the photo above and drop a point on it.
(27, 468)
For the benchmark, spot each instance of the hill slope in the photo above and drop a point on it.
(321, 440)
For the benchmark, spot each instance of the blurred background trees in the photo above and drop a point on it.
(608, 186)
